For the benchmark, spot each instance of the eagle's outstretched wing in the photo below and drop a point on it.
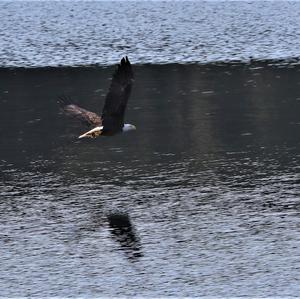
(118, 95)
(87, 117)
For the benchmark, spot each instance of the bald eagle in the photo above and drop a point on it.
(111, 121)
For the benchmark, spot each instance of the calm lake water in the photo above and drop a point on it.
(202, 200)
(42, 33)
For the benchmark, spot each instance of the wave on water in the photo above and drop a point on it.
(63, 33)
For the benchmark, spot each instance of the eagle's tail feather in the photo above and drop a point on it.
(92, 133)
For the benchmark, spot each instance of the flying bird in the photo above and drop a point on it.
(111, 120)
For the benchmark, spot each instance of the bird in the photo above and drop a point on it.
(111, 121)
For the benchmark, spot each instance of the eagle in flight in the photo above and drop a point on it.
(111, 120)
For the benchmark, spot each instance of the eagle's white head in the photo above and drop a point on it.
(128, 127)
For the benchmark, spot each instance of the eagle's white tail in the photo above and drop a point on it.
(92, 133)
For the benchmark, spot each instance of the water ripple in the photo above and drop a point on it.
(83, 33)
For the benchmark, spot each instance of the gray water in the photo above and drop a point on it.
(202, 200)
(43, 33)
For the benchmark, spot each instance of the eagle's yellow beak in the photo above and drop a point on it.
(92, 133)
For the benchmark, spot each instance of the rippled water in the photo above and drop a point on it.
(202, 200)
(43, 33)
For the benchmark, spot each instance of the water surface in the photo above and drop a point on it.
(202, 200)
(44, 33)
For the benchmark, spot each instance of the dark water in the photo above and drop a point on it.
(43, 33)
(202, 200)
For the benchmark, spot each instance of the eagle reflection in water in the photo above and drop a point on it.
(124, 232)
